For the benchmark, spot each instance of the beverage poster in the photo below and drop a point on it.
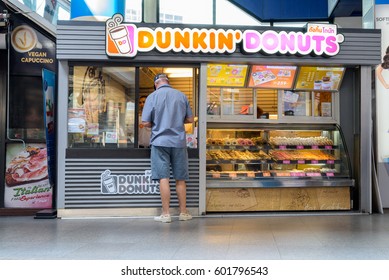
(26, 177)
(49, 89)
(319, 78)
(226, 75)
(277, 77)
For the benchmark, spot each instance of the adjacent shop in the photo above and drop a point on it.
(282, 117)
(28, 94)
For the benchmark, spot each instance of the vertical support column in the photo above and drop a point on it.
(62, 136)
(150, 11)
(202, 136)
(366, 140)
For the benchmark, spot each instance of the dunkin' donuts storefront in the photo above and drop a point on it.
(279, 117)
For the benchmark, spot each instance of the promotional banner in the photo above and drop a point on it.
(276, 77)
(31, 51)
(319, 78)
(382, 100)
(26, 177)
(49, 116)
(226, 75)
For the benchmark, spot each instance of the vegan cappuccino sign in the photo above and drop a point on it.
(133, 184)
(126, 40)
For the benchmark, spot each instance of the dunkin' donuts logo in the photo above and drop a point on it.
(126, 40)
(128, 184)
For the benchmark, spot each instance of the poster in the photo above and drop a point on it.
(274, 77)
(319, 78)
(27, 182)
(226, 75)
(49, 90)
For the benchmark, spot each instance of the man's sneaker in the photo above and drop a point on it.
(163, 218)
(185, 217)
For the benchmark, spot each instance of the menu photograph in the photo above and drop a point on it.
(226, 75)
(275, 77)
(319, 78)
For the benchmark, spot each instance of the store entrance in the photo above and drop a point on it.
(183, 79)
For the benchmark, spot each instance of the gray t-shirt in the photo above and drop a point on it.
(166, 108)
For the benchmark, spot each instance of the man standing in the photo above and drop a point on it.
(165, 111)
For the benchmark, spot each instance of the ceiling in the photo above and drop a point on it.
(299, 10)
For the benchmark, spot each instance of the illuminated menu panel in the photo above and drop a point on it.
(274, 77)
(319, 78)
(226, 75)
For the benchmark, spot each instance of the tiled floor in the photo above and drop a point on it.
(318, 237)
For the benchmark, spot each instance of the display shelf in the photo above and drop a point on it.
(278, 156)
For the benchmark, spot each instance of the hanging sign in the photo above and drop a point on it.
(126, 40)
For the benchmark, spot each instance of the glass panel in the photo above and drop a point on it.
(267, 104)
(224, 10)
(133, 11)
(296, 103)
(186, 11)
(26, 120)
(101, 106)
(237, 101)
(213, 101)
(323, 104)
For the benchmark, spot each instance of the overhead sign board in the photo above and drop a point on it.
(126, 40)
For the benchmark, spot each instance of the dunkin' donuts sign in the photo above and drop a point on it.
(126, 40)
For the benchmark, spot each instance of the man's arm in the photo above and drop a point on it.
(189, 119)
(146, 124)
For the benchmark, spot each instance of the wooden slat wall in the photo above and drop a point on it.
(267, 100)
(182, 84)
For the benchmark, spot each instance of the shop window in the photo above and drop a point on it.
(323, 104)
(26, 120)
(230, 102)
(267, 103)
(101, 110)
(296, 103)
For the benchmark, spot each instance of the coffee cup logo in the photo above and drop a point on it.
(24, 39)
(119, 34)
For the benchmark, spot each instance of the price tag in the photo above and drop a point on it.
(232, 175)
(330, 174)
(315, 147)
(251, 175)
(266, 174)
(301, 161)
(297, 174)
(283, 174)
(328, 147)
(313, 174)
(215, 175)
(286, 161)
(300, 147)
(283, 147)
(330, 161)
(314, 161)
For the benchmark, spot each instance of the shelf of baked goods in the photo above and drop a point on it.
(306, 173)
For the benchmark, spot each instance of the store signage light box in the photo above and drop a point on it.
(319, 78)
(126, 40)
(272, 77)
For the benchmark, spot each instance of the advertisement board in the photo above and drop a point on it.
(226, 75)
(319, 78)
(273, 77)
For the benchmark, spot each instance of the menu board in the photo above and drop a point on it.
(319, 78)
(226, 75)
(278, 77)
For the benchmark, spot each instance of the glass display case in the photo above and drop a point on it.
(282, 155)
